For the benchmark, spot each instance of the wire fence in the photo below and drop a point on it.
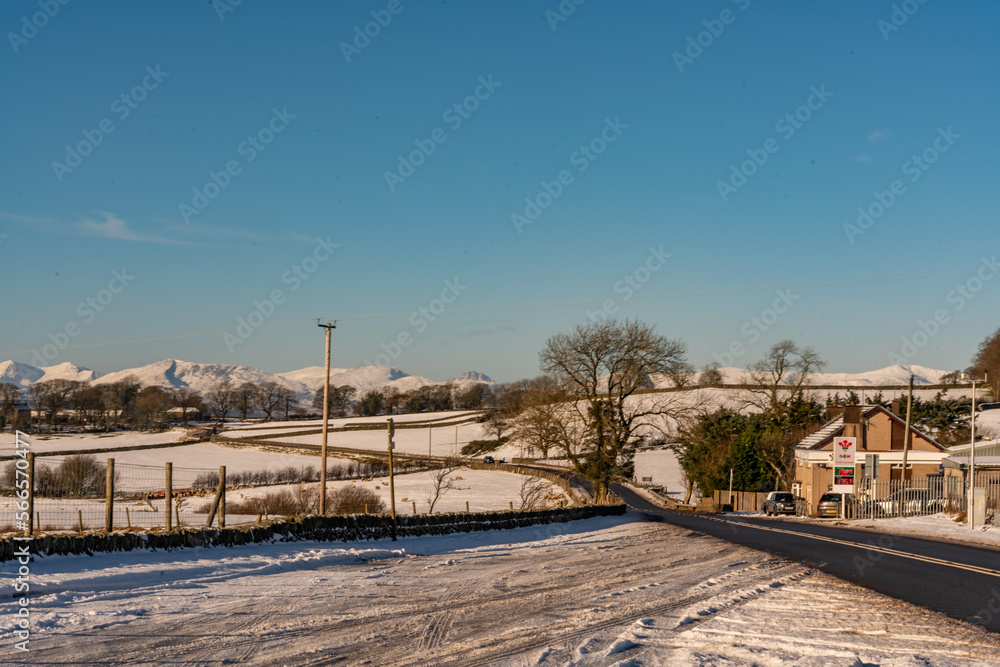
(81, 492)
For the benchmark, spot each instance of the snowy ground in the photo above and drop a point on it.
(55, 442)
(614, 591)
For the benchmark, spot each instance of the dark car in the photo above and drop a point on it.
(829, 505)
(780, 503)
(489, 459)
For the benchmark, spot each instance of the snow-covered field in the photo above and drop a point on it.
(56, 442)
(613, 591)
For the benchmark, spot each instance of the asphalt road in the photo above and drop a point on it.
(960, 581)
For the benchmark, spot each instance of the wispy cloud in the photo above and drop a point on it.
(879, 135)
(111, 227)
(864, 158)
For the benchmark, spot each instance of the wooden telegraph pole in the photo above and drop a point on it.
(392, 480)
(326, 419)
(906, 434)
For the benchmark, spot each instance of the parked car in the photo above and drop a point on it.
(769, 496)
(905, 502)
(829, 505)
(780, 503)
(489, 459)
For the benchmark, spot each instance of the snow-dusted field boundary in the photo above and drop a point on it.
(328, 529)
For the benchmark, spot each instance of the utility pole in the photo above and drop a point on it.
(906, 434)
(392, 481)
(972, 460)
(731, 487)
(329, 326)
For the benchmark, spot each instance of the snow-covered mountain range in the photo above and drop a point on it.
(305, 381)
(890, 375)
(173, 373)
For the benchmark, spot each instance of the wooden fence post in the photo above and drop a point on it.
(222, 501)
(109, 495)
(168, 497)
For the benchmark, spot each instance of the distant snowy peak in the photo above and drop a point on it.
(19, 374)
(896, 375)
(473, 376)
(362, 378)
(68, 371)
(174, 374)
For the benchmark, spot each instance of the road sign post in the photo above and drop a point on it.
(844, 461)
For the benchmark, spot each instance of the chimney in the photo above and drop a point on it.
(852, 414)
(896, 409)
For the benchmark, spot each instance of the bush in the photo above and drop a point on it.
(82, 475)
(354, 500)
(273, 503)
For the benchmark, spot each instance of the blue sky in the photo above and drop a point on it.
(619, 100)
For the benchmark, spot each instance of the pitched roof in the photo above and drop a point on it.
(829, 430)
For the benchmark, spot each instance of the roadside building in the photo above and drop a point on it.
(880, 436)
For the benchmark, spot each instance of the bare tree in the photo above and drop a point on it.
(120, 398)
(954, 377)
(534, 492)
(267, 397)
(244, 398)
(681, 375)
(600, 366)
(781, 377)
(442, 482)
(987, 361)
(53, 396)
(10, 396)
(340, 401)
(710, 376)
(186, 399)
(152, 405)
(287, 401)
(222, 399)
